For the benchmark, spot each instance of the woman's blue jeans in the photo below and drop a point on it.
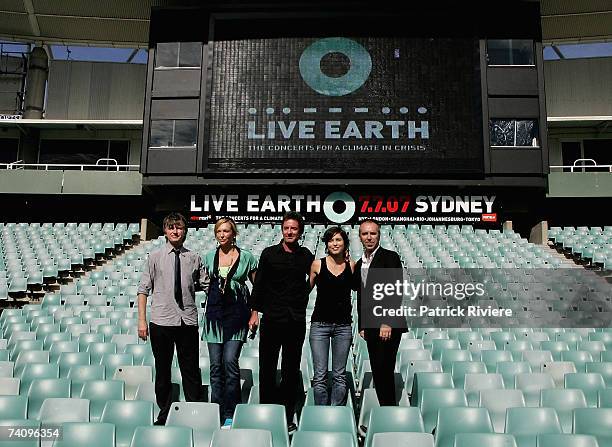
(225, 376)
(321, 335)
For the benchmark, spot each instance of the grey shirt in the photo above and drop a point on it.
(158, 281)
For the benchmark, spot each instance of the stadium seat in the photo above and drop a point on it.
(79, 374)
(403, 439)
(201, 417)
(34, 371)
(369, 401)
(67, 360)
(162, 436)
(99, 392)
(60, 410)
(564, 402)
(92, 434)
(13, 407)
(477, 382)
(526, 423)
(461, 420)
(133, 376)
(432, 399)
(596, 422)
(42, 389)
(566, 440)
(497, 402)
(604, 398)
(393, 419)
(509, 370)
(589, 383)
(603, 368)
(242, 436)
(460, 369)
(263, 416)
(127, 415)
(492, 357)
(423, 380)
(318, 438)
(531, 384)
(9, 386)
(558, 370)
(488, 439)
(329, 419)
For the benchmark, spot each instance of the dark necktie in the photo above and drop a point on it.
(178, 292)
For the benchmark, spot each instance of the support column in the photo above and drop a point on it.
(36, 83)
(539, 233)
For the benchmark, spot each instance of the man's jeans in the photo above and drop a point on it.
(320, 336)
(225, 376)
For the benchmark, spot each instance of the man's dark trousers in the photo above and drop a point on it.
(187, 340)
(290, 337)
(382, 360)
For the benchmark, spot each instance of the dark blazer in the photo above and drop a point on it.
(382, 259)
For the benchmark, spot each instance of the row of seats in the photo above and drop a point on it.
(593, 245)
(127, 421)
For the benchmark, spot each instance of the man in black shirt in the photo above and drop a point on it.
(281, 293)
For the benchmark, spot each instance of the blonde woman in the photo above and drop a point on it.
(227, 314)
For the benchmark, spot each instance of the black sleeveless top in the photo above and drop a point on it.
(333, 303)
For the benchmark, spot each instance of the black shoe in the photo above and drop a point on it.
(291, 428)
(159, 422)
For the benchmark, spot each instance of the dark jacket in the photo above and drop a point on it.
(383, 259)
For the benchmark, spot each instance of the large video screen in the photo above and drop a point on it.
(346, 105)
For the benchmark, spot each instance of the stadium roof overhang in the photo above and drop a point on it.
(125, 23)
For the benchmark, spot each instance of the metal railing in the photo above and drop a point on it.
(581, 166)
(111, 165)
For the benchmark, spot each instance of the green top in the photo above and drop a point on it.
(247, 265)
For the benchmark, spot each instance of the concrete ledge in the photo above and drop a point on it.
(125, 183)
(23, 181)
(579, 184)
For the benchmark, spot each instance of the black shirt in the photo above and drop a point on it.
(281, 285)
(333, 303)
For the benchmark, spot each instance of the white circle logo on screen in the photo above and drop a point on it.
(359, 60)
(331, 200)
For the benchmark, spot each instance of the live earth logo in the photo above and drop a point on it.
(360, 67)
(360, 64)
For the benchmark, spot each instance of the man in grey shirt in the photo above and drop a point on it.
(171, 276)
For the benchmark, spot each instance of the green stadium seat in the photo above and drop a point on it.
(596, 422)
(492, 357)
(133, 376)
(92, 434)
(162, 436)
(329, 419)
(242, 436)
(433, 399)
(488, 439)
(263, 416)
(497, 402)
(460, 369)
(42, 389)
(393, 419)
(403, 439)
(99, 392)
(566, 440)
(79, 374)
(558, 370)
(127, 415)
(604, 398)
(322, 439)
(604, 368)
(589, 383)
(13, 407)
(201, 417)
(34, 371)
(60, 410)
(9, 386)
(531, 384)
(423, 380)
(527, 423)
(69, 359)
(6, 368)
(564, 401)
(461, 420)
(509, 370)
(477, 382)
(369, 401)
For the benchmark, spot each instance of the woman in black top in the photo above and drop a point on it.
(331, 319)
